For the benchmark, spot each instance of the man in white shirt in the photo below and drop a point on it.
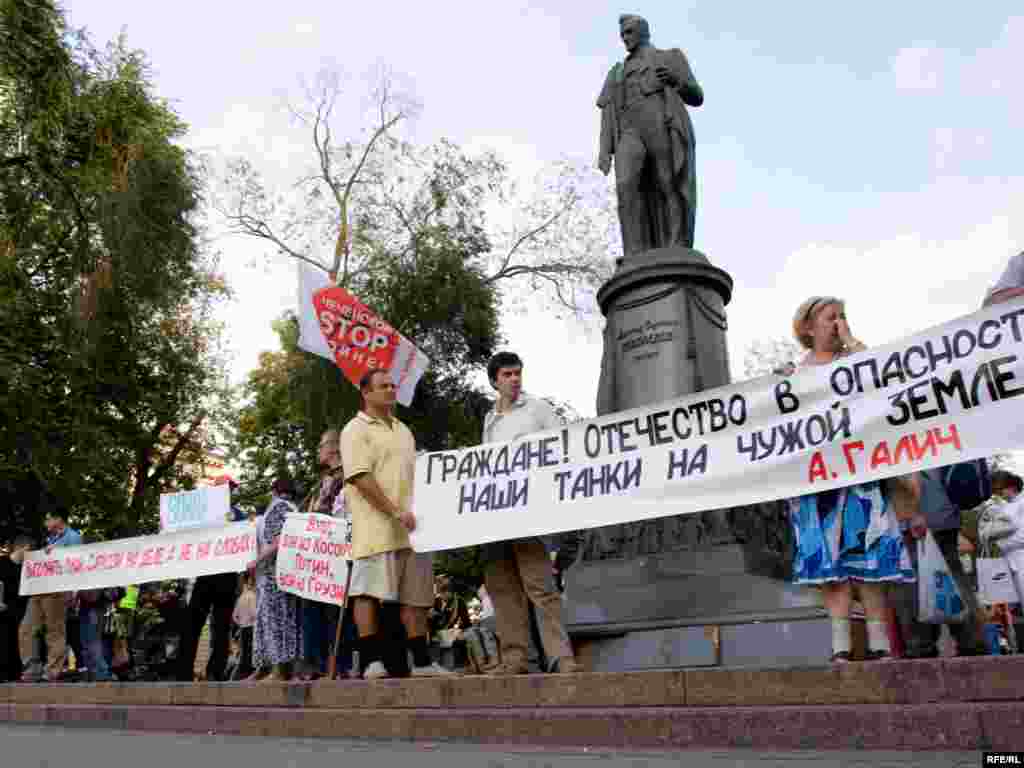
(520, 570)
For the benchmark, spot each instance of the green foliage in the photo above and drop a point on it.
(108, 350)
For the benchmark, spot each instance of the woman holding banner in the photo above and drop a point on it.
(849, 538)
(277, 641)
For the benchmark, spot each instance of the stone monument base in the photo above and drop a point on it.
(706, 589)
(665, 329)
(691, 609)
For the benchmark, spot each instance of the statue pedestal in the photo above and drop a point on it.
(706, 589)
(665, 330)
(687, 590)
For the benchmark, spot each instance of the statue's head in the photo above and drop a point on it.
(634, 31)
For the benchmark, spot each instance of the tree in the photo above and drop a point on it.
(411, 231)
(109, 357)
(766, 356)
(381, 197)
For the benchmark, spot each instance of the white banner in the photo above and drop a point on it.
(202, 508)
(940, 397)
(312, 556)
(185, 554)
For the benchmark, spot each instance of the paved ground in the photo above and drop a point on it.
(50, 747)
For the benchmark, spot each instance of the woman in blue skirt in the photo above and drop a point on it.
(849, 538)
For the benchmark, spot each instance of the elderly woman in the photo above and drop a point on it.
(277, 641)
(849, 537)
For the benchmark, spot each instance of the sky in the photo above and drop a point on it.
(867, 150)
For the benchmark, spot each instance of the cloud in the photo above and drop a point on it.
(918, 68)
(909, 280)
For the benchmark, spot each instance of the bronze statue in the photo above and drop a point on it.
(645, 126)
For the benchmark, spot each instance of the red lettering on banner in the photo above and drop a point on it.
(953, 439)
(910, 447)
(818, 470)
(186, 551)
(40, 570)
(291, 580)
(328, 589)
(233, 545)
(203, 552)
(848, 449)
(881, 455)
(927, 446)
(906, 447)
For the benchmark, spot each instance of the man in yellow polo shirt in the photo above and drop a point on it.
(378, 453)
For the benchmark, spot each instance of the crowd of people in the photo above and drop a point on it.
(854, 544)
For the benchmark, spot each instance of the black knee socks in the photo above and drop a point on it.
(369, 650)
(418, 646)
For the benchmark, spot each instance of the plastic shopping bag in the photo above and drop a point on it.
(995, 582)
(938, 599)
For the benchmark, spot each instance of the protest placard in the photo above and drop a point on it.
(334, 324)
(312, 557)
(940, 397)
(202, 508)
(182, 554)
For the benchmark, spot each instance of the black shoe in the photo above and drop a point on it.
(878, 656)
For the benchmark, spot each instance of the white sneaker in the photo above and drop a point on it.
(375, 671)
(432, 670)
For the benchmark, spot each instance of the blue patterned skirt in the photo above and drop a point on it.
(849, 533)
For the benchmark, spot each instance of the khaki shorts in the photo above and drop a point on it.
(402, 576)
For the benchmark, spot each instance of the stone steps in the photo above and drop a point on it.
(935, 704)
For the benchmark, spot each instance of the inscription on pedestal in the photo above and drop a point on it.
(645, 341)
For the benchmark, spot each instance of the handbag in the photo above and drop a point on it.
(995, 581)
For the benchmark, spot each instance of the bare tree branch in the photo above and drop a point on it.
(558, 237)
(246, 224)
(343, 192)
(169, 460)
(525, 238)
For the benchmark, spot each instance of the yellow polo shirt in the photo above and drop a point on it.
(387, 452)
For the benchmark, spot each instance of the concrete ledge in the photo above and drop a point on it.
(983, 679)
(918, 727)
(941, 704)
(899, 682)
